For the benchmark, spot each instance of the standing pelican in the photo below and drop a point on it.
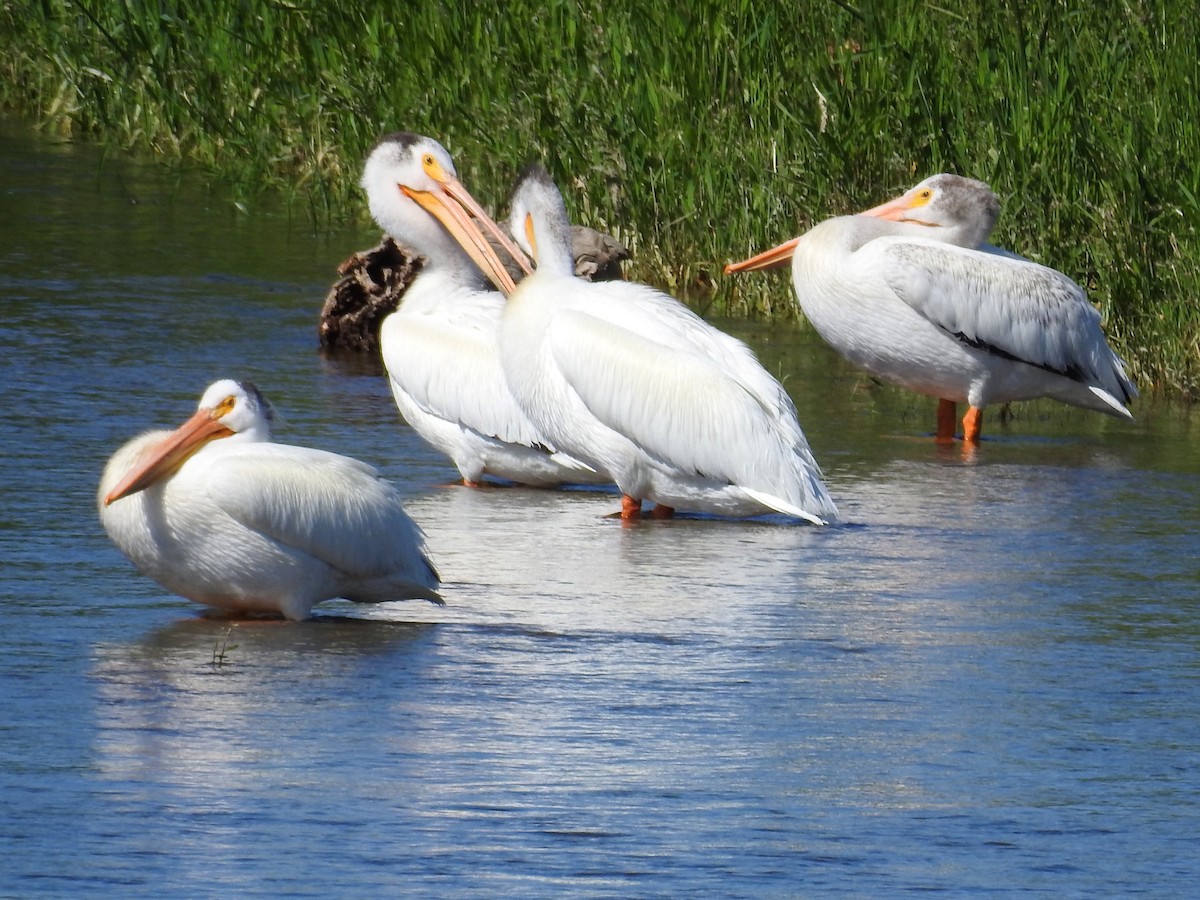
(910, 292)
(439, 346)
(218, 513)
(636, 384)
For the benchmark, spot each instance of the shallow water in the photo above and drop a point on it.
(985, 682)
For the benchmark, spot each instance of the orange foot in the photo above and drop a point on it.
(662, 512)
(947, 421)
(631, 509)
(972, 425)
(462, 482)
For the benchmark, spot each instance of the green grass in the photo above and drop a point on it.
(697, 131)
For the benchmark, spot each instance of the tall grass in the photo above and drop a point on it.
(697, 131)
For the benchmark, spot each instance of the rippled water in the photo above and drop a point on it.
(986, 682)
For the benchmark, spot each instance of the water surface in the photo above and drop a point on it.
(985, 682)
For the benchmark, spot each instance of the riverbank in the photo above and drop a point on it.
(693, 136)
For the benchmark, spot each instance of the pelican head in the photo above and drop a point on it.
(963, 211)
(415, 196)
(956, 210)
(227, 409)
(539, 223)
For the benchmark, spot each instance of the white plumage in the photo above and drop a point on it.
(219, 514)
(910, 292)
(634, 383)
(439, 346)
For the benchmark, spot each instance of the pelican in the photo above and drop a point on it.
(218, 513)
(634, 383)
(910, 292)
(439, 346)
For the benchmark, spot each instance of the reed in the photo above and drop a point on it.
(695, 131)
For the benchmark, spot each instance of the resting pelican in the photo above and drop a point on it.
(636, 384)
(218, 513)
(439, 346)
(910, 292)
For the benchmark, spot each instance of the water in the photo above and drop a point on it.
(985, 682)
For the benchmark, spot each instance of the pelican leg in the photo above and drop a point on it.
(631, 508)
(662, 512)
(972, 425)
(947, 421)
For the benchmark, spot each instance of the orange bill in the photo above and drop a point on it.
(768, 259)
(164, 459)
(901, 208)
(893, 209)
(455, 189)
(456, 221)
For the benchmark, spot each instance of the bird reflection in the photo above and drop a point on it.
(204, 697)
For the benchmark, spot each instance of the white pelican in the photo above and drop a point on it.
(910, 292)
(251, 526)
(636, 384)
(439, 346)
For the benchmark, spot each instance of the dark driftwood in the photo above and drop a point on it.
(370, 286)
(372, 282)
(598, 256)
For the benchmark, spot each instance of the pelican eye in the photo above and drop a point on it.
(432, 167)
(923, 197)
(225, 407)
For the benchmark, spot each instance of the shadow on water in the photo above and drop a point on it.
(198, 674)
(274, 638)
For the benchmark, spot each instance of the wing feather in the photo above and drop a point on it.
(450, 368)
(665, 321)
(331, 507)
(680, 407)
(1005, 305)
